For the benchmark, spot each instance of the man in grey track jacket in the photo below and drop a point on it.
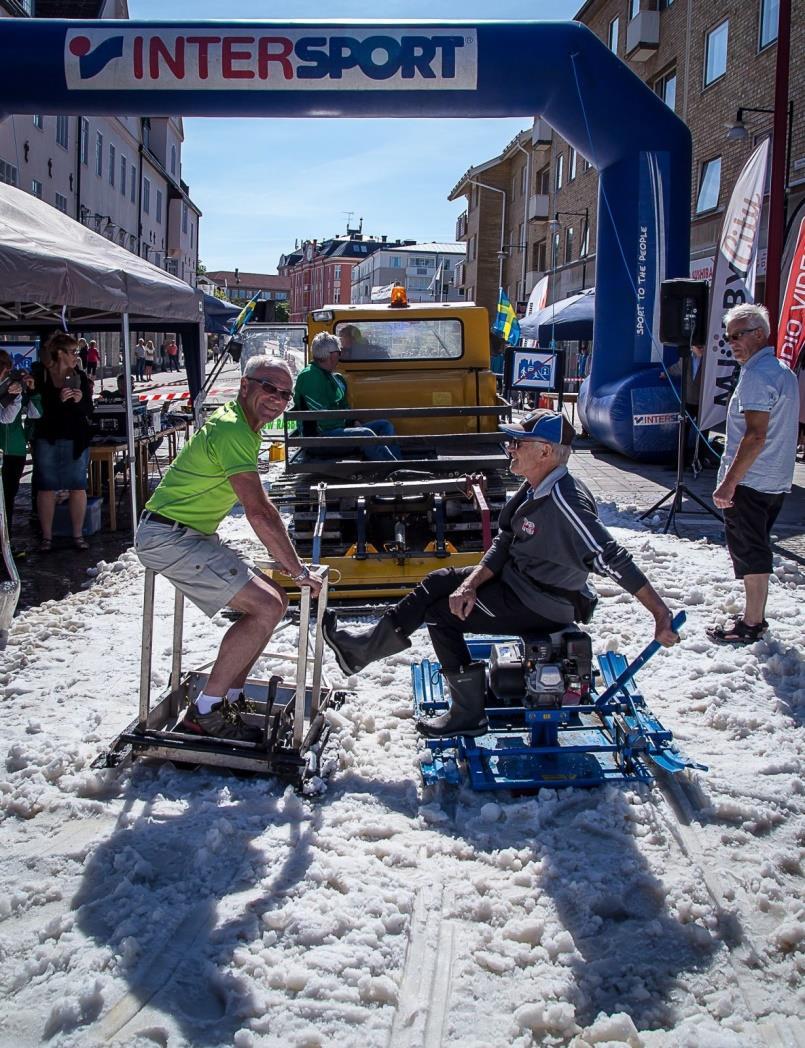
(534, 577)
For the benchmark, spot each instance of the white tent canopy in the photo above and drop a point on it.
(48, 257)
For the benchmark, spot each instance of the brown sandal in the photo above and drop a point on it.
(739, 633)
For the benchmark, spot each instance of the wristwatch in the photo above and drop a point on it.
(303, 574)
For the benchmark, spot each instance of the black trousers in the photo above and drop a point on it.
(497, 610)
(13, 466)
(747, 526)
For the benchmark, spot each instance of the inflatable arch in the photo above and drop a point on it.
(435, 69)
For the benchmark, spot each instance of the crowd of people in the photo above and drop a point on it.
(46, 414)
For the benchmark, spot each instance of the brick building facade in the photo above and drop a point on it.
(706, 61)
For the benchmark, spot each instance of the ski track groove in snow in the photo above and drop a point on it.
(143, 905)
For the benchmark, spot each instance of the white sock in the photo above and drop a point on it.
(205, 703)
(234, 694)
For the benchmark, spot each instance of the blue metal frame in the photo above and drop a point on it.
(641, 149)
(611, 738)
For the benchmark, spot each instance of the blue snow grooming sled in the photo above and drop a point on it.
(547, 725)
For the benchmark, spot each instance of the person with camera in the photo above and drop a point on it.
(62, 437)
(534, 577)
(177, 537)
(18, 401)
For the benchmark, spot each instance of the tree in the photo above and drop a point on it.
(281, 312)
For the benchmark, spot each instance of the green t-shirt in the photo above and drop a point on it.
(320, 390)
(196, 489)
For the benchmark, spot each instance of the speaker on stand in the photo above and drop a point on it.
(683, 323)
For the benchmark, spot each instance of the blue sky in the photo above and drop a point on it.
(262, 184)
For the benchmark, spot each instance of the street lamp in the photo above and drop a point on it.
(585, 214)
(738, 131)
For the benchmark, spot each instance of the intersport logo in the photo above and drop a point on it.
(304, 59)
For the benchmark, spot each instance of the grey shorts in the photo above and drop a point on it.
(201, 566)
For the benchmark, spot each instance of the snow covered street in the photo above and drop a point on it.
(151, 906)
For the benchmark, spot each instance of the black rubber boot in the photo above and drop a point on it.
(356, 650)
(467, 713)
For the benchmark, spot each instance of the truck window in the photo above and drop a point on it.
(418, 339)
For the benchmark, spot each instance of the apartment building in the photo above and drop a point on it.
(427, 271)
(241, 288)
(119, 176)
(706, 61)
(320, 272)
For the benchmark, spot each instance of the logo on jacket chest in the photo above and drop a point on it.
(528, 527)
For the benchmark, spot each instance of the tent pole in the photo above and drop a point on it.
(129, 425)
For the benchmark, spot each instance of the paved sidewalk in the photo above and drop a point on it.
(613, 478)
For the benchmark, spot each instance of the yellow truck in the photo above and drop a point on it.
(382, 526)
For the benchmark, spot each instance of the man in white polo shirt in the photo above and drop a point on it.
(757, 467)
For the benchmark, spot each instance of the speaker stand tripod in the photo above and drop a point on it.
(680, 490)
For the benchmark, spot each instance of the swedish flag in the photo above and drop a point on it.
(245, 315)
(506, 324)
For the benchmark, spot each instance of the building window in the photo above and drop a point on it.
(539, 256)
(62, 132)
(715, 53)
(133, 188)
(665, 87)
(584, 247)
(192, 235)
(560, 172)
(571, 164)
(123, 166)
(159, 205)
(709, 186)
(83, 140)
(173, 160)
(543, 181)
(61, 203)
(521, 244)
(98, 154)
(146, 195)
(612, 35)
(132, 243)
(112, 164)
(471, 249)
(634, 8)
(39, 121)
(336, 294)
(184, 217)
(514, 187)
(337, 273)
(8, 174)
(37, 188)
(569, 237)
(555, 250)
(769, 19)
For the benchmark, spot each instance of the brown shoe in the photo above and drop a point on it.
(220, 723)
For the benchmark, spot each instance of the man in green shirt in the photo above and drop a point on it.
(319, 387)
(177, 538)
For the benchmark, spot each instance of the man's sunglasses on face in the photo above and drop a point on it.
(271, 389)
(740, 334)
(514, 442)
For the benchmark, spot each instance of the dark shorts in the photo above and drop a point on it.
(748, 523)
(55, 469)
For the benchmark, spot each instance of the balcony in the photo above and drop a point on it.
(643, 36)
(541, 132)
(461, 226)
(538, 207)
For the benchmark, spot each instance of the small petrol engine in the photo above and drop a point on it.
(542, 671)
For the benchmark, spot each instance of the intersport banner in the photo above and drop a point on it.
(791, 331)
(733, 283)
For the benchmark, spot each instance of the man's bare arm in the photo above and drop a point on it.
(751, 445)
(266, 522)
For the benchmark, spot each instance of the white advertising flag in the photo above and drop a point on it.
(733, 283)
(381, 292)
(537, 300)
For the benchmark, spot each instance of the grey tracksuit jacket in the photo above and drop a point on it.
(552, 538)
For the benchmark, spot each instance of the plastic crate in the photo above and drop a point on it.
(92, 520)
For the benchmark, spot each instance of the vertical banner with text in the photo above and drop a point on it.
(733, 283)
(791, 329)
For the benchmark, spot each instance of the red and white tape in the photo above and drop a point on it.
(179, 395)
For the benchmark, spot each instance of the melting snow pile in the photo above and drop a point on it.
(153, 906)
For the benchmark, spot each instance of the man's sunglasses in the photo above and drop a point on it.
(740, 334)
(271, 389)
(514, 442)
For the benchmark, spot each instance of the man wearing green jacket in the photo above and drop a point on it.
(319, 387)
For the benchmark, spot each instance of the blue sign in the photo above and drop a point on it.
(641, 149)
(533, 369)
(23, 354)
